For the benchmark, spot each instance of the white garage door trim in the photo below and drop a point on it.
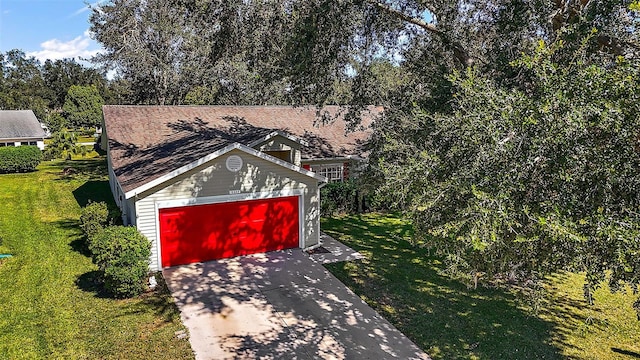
(210, 200)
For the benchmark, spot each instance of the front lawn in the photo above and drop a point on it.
(50, 305)
(450, 321)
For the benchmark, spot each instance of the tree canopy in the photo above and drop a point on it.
(83, 106)
(25, 83)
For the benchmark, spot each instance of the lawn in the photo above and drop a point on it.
(50, 304)
(451, 321)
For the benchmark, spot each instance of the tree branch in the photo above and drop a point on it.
(459, 52)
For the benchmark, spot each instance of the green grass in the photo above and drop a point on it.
(86, 139)
(451, 321)
(51, 306)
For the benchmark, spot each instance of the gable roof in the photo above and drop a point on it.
(18, 124)
(148, 142)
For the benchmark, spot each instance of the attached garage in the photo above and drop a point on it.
(200, 233)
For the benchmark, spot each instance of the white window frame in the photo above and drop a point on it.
(333, 172)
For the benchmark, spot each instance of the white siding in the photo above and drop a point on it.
(258, 178)
(39, 142)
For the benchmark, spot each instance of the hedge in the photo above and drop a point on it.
(339, 198)
(122, 254)
(19, 158)
(94, 217)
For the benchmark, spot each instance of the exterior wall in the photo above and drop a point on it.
(127, 207)
(282, 143)
(213, 183)
(39, 142)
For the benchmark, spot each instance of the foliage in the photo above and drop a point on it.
(25, 83)
(60, 75)
(515, 185)
(64, 144)
(339, 198)
(56, 122)
(215, 52)
(19, 158)
(122, 253)
(83, 106)
(93, 218)
(310, 52)
(51, 303)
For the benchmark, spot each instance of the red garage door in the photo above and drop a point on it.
(205, 232)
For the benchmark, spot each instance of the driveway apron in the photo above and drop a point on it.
(279, 305)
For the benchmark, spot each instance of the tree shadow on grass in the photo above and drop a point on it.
(98, 191)
(441, 315)
(94, 191)
(78, 241)
(631, 354)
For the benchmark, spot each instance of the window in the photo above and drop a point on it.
(33, 143)
(3, 144)
(24, 143)
(333, 172)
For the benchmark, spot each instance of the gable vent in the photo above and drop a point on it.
(234, 163)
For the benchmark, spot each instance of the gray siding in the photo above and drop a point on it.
(256, 179)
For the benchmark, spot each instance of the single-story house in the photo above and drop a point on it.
(209, 182)
(20, 127)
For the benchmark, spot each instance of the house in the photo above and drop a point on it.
(208, 182)
(20, 127)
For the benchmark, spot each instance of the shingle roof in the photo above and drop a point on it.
(18, 124)
(146, 142)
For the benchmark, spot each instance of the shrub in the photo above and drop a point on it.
(63, 145)
(94, 217)
(122, 254)
(19, 158)
(339, 198)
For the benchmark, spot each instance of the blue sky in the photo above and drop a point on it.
(47, 29)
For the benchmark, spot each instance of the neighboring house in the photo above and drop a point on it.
(20, 127)
(208, 182)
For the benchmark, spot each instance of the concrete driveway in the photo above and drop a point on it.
(279, 305)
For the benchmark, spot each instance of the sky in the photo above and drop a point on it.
(47, 29)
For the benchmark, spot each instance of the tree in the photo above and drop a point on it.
(22, 84)
(83, 106)
(167, 49)
(63, 145)
(514, 185)
(60, 75)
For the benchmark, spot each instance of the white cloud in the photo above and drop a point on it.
(86, 8)
(54, 49)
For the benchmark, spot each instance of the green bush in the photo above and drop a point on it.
(339, 198)
(19, 158)
(94, 217)
(122, 254)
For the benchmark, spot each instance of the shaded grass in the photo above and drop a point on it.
(451, 321)
(50, 307)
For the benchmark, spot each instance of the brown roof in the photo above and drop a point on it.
(147, 142)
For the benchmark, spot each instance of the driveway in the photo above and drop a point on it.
(279, 305)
